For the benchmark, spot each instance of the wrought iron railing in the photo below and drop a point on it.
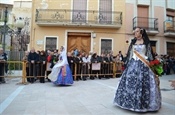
(150, 24)
(81, 17)
(169, 26)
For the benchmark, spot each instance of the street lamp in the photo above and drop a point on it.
(19, 24)
(5, 23)
(11, 33)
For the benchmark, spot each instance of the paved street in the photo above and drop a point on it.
(91, 97)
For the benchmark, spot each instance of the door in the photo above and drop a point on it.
(143, 14)
(81, 41)
(153, 45)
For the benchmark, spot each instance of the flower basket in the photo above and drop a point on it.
(157, 67)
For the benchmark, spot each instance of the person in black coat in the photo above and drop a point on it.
(33, 58)
(95, 59)
(78, 61)
(109, 61)
(3, 59)
(70, 60)
(104, 65)
(42, 66)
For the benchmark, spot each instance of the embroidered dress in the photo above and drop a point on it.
(138, 89)
(61, 73)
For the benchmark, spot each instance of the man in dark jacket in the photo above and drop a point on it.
(33, 58)
(3, 59)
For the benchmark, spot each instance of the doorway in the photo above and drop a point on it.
(80, 41)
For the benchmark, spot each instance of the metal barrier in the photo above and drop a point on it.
(96, 69)
(12, 69)
(29, 72)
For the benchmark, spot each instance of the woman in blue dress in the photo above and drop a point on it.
(61, 73)
(138, 88)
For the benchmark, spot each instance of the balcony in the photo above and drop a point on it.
(169, 28)
(78, 18)
(149, 24)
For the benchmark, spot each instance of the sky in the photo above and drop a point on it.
(7, 1)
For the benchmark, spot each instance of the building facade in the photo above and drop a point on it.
(158, 18)
(101, 25)
(5, 40)
(88, 25)
(22, 12)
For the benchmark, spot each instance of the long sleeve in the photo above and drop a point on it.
(130, 51)
(149, 53)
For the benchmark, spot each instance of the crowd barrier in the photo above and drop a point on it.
(32, 71)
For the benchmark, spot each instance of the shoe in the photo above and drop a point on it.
(92, 78)
(84, 79)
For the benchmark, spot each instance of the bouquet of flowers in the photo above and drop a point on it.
(157, 67)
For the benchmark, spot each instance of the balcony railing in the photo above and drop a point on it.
(149, 24)
(169, 28)
(86, 18)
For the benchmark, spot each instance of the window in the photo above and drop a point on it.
(143, 14)
(170, 14)
(79, 11)
(169, 18)
(106, 45)
(153, 45)
(105, 12)
(171, 48)
(51, 43)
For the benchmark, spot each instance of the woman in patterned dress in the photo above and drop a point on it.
(138, 88)
(61, 73)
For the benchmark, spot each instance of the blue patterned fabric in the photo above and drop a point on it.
(138, 89)
(64, 80)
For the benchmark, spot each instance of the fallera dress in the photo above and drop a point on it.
(138, 89)
(61, 73)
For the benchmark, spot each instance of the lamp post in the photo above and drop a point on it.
(20, 24)
(5, 23)
(11, 33)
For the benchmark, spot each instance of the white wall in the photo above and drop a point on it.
(26, 4)
(161, 3)
(171, 4)
(144, 2)
(131, 1)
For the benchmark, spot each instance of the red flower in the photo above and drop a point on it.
(151, 63)
(157, 62)
(156, 67)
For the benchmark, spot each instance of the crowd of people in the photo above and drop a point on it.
(41, 63)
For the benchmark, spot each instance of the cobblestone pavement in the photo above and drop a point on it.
(91, 97)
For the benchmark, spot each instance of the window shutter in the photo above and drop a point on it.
(105, 11)
(79, 10)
